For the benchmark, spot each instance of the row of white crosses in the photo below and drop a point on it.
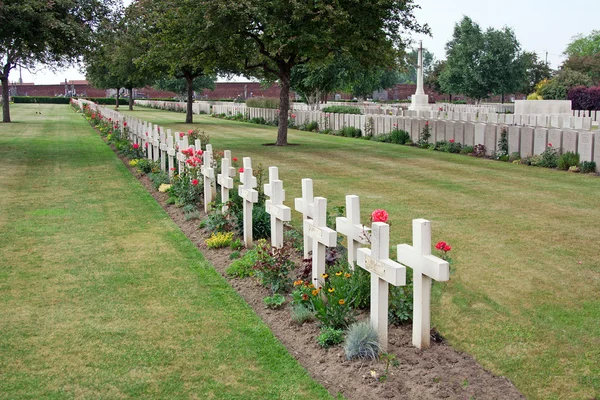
(317, 237)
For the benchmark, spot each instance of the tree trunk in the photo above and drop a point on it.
(189, 81)
(130, 99)
(502, 98)
(284, 106)
(118, 96)
(450, 96)
(5, 102)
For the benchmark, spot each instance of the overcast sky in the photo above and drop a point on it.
(540, 25)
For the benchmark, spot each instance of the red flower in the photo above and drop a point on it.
(124, 124)
(379, 216)
(447, 248)
(146, 144)
(173, 169)
(426, 123)
(293, 115)
(441, 245)
(110, 120)
(199, 152)
(146, 133)
(451, 140)
(549, 144)
(136, 146)
(241, 170)
(195, 182)
(234, 158)
(304, 296)
(181, 134)
(190, 131)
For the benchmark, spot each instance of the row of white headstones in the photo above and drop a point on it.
(316, 235)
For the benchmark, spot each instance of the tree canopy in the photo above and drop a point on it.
(53, 33)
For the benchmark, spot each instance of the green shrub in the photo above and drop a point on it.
(234, 255)
(349, 131)
(514, 156)
(342, 110)
(568, 160)
(423, 141)
(549, 158)
(258, 120)
(383, 138)
(41, 99)
(158, 178)
(263, 102)
(236, 245)
(330, 337)
(243, 267)
(587, 167)
(273, 266)
(398, 136)
(400, 304)
(274, 302)
(467, 150)
(301, 314)
(219, 240)
(294, 238)
(312, 126)
(361, 342)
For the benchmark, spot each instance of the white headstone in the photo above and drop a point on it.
(249, 197)
(351, 227)
(275, 208)
(425, 267)
(305, 206)
(383, 271)
(322, 237)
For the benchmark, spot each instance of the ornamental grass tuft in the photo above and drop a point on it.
(361, 342)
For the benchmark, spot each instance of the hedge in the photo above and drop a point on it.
(66, 100)
(585, 98)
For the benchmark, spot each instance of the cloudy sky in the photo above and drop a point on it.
(540, 25)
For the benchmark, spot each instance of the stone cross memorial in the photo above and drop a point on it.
(181, 158)
(383, 271)
(156, 143)
(208, 172)
(163, 150)
(225, 179)
(322, 237)
(249, 196)
(351, 227)
(171, 152)
(275, 208)
(305, 206)
(425, 267)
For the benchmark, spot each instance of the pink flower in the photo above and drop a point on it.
(146, 133)
(195, 182)
(451, 140)
(146, 145)
(293, 116)
(173, 169)
(181, 135)
(549, 144)
(426, 123)
(241, 170)
(136, 146)
(190, 131)
(379, 216)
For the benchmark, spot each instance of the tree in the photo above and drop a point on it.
(463, 54)
(536, 71)
(432, 80)
(315, 81)
(271, 37)
(558, 87)
(364, 81)
(586, 64)
(179, 48)
(181, 87)
(581, 46)
(500, 66)
(53, 33)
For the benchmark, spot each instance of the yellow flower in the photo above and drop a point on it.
(298, 282)
(338, 273)
(325, 276)
(342, 302)
(315, 292)
(331, 290)
(164, 187)
(311, 286)
(347, 275)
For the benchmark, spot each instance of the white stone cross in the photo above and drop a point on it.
(249, 196)
(305, 206)
(155, 143)
(181, 158)
(351, 227)
(322, 236)
(171, 152)
(225, 179)
(208, 172)
(275, 208)
(163, 150)
(425, 267)
(383, 271)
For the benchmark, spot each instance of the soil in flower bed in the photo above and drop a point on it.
(439, 372)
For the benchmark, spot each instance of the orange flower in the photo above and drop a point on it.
(315, 292)
(298, 282)
(342, 302)
(347, 275)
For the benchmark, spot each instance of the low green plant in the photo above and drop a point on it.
(567, 160)
(349, 131)
(262, 102)
(514, 156)
(549, 158)
(424, 137)
(301, 314)
(185, 190)
(400, 304)
(273, 266)
(219, 240)
(294, 238)
(258, 120)
(236, 244)
(502, 153)
(467, 150)
(275, 301)
(342, 110)
(192, 215)
(390, 360)
(146, 166)
(587, 167)
(243, 267)
(312, 126)
(361, 342)
(330, 337)
(398, 136)
(235, 255)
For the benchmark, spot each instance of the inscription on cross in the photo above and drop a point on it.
(425, 267)
(225, 179)
(249, 196)
(305, 206)
(351, 227)
(322, 237)
(383, 271)
(208, 172)
(274, 205)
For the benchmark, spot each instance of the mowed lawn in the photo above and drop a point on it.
(525, 297)
(102, 296)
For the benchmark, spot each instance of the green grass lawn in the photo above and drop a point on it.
(524, 300)
(102, 296)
